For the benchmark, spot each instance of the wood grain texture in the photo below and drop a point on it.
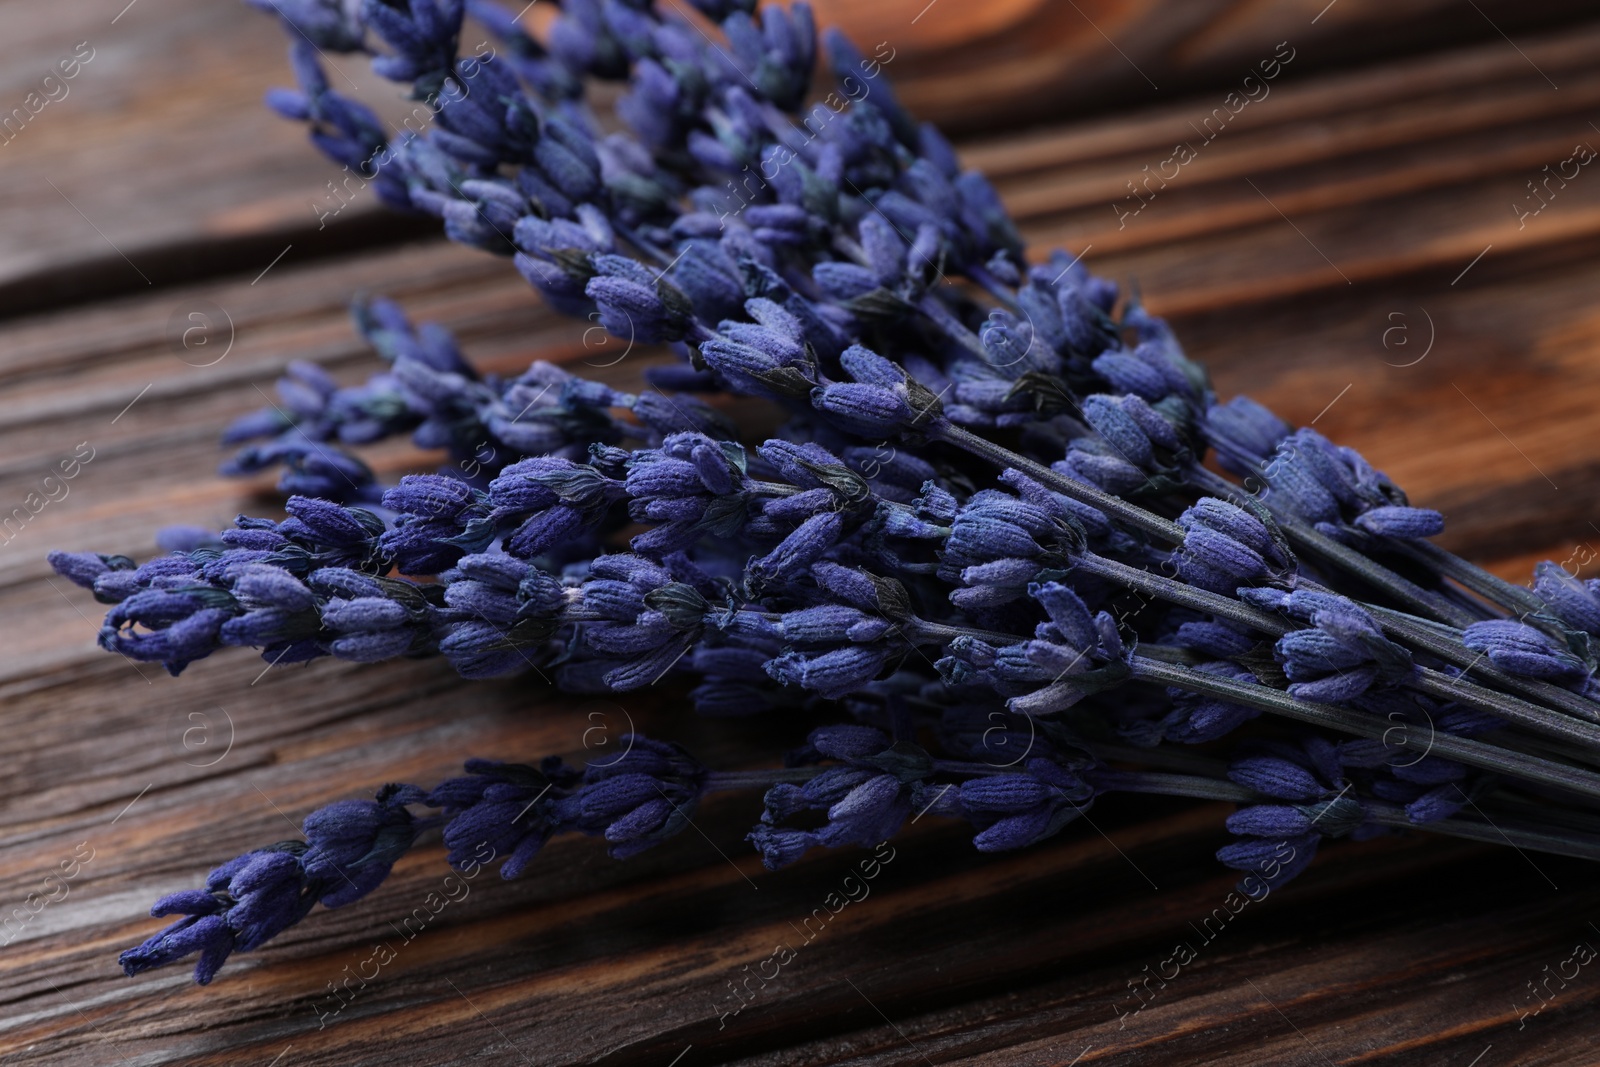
(972, 66)
(179, 82)
(1374, 191)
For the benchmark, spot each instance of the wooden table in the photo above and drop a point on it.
(1345, 250)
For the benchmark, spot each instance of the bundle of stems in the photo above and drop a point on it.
(1008, 555)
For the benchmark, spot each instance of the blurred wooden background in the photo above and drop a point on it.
(1359, 249)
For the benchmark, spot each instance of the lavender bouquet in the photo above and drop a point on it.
(1008, 544)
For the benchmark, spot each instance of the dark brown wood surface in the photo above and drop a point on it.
(1344, 250)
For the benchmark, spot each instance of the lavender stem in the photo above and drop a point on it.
(1344, 720)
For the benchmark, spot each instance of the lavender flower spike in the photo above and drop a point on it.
(348, 850)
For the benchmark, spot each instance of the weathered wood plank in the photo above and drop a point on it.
(1390, 952)
(158, 171)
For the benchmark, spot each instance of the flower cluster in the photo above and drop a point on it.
(986, 546)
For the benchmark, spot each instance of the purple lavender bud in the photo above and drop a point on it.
(1215, 639)
(372, 646)
(1408, 522)
(871, 812)
(631, 812)
(83, 568)
(635, 305)
(711, 281)
(798, 551)
(170, 628)
(368, 614)
(800, 507)
(311, 467)
(831, 674)
(1129, 374)
(423, 546)
(867, 410)
(780, 846)
(991, 584)
(784, 800)
(1244, 433)
(202, 931)
(1517, 648)
(1276, 777)
(1120, 430)
(482, 650)
(1231, 521)
(832, 623)
(853, 586)
(432, 496)
(1435, 804)
(640, 798)
(424, 40)
(267, 422)
(1270, 820)
(1017, 810)
(575, 177)
(844, 742)
(288, 103)
(1067, 613)
(1196, 718)
(331, 524)
(258, 585)
(1095, 463)
(1323, 667)
(1214, 561)
(1271, 861)
(354, 843)
(328, 24)
(780, 224)
(1314, 479)
(1575, 603)
(506, 811)
(1343, 656)
(651, 107)
(844, 282)
(246, 901)
(757, 360)
(1225, 547)
(1302, 604)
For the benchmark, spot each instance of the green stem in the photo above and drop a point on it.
(981, 277)
(1512, 597)
(1307, 539)
(940, 633)
(1499, 832)
(1421, 634)
(1448, 746)
(1533, 717)
(1176, 785)
(931, 306)
(1530, 716)
(1172, 654)
(1176, 592)
(1164, 529)
(1163, 756)
(1544, 812)
(1187, 596)
(1403, 590)
(761, 778)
